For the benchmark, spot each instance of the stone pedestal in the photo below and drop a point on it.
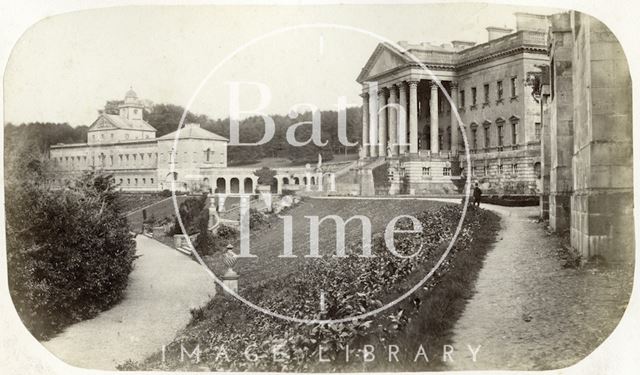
(230, 280)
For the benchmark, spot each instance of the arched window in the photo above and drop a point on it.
(208, 154)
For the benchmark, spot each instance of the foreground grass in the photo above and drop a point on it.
(225, 328)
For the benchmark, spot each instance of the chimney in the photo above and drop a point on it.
(531, 22)
(497, 32)
(462, 44)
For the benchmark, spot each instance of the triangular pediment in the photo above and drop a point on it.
(102, 123)
(384, 58)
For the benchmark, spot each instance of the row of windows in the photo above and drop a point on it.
(500, 169)
(129, 159)
(136, 181)
(486, 91)
(121, 181)
(501, 134)
(103, 136)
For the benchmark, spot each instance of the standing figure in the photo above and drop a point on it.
(477, 195)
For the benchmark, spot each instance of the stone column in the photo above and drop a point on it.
(373, 124)
(402, 119)
(365, 124)
(382, 122)
(454, 119)
(413, 117)
(433, 106)
(393, 120)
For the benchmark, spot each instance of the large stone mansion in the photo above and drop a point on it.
(408, 120)
(190, 159)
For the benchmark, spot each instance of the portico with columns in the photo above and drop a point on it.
(422, 100)
(410, 117)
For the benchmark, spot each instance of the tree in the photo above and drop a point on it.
(265, 175)
(205, 243)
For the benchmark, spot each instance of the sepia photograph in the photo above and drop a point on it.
(318, 188)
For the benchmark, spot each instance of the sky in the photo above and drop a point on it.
(65, 67)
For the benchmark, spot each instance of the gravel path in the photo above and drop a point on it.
(530, 313)
(163, 287)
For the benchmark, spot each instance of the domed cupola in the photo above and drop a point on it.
(132, 108)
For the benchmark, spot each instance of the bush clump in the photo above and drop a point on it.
(69, 250)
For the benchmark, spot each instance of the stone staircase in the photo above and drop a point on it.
(357, 179)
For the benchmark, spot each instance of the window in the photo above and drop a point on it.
(500, 169)
(136, 181)
(446, 171)
(93, 136)
(128, 181)
(514, 133)
(474, 171)
(120, 181)
(151, 180)
(461, 99)
(500, 136)
(499, 90)
(111, 135)
(403, 172)
(484, 170)
(514, 87)
(474, 97)
(474, 139)
(514, 168)
(144, 181)
(426, 171)
(487, 137)
(486, 94)
(538, 131)
(126, 136)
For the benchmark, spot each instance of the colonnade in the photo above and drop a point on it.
(386, 112)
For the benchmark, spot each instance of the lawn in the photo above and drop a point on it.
(346, 286)
(267, 242)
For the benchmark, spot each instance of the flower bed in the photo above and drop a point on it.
(225, 328)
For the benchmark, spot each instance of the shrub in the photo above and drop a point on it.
(69, 251)
(256, 218)
(227, 233)
(205, 243)
(190, 210)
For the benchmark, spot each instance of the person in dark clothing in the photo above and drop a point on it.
(477, 195)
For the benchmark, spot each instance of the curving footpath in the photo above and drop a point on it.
(163, 287)
(530, 313)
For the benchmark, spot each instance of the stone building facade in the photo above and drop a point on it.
(409, 112)
(126, 146)
(188, 160)
(590, 121)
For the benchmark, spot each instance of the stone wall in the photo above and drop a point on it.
(602, 201)
(560, 109)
